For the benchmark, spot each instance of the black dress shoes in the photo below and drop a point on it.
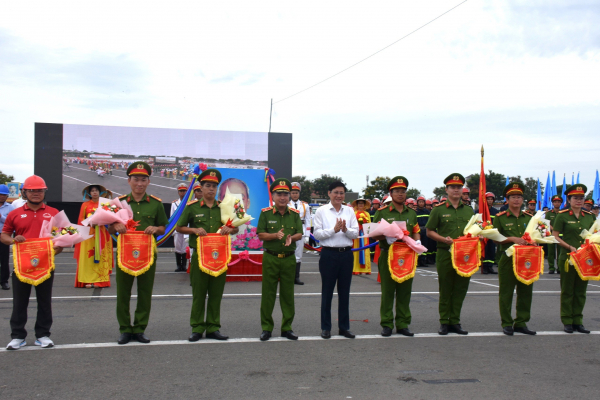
(326, 334)
(265, 335)
(140, 337)
(580, 329)
(347, 334)
(405, 332)
(5, 286)
(387, 331)
(523, 329)
(551, 272)
(124, 338)
(485, 270)
(298, 282)
(569, 328)
(443, 329)
(508, 330)
(195, 336)
(216, 335)
(290, 335)
(491, 270)
(456, 328)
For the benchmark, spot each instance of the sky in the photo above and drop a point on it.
(519, 77)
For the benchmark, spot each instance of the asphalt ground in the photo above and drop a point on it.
(87, 362)
(77, 177)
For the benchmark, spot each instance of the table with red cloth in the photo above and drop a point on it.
(244, 270)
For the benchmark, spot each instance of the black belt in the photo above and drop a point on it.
(280, 255)
(338, 249)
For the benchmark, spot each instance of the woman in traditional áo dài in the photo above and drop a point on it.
(362, 258)
(89, 273)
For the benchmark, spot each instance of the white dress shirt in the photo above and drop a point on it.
(304, 211)
(324, 222)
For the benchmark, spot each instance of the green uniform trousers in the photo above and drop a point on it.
(276, 269)
(572, 294)
(508, 281)
(453, 289)
(389, 289)
(145, 284)
(552, 251)
(203, 284)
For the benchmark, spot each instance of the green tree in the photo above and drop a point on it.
(377, 188)
(321, 184)
(6, 178)
(493, 183)
(439, 192)
(306, 187)
(413, 193)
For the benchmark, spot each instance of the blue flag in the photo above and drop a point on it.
(564, 196)
(538, 202)
(547, 194)
(554, 190)
(596, 195)
(577, 177)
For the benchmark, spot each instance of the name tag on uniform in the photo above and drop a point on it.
(199, 215)
(511, 224)
(446, 216)
(571, 222)
(390, 219)
(272, 222)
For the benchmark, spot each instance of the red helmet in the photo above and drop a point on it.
(428, 202)
(420, 198)
(376, 201)
(490, 194)
(34, 182)
(410, 201)
(444, 199)
(434, 201)
(466, 190)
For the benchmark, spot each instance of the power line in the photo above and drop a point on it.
(377, 52)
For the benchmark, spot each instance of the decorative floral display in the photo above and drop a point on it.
(247, 241)
(536, 231)
(69, 230)
(233, 213)
(63, 232)
(238, 207)
(477, 227)
(543, 228)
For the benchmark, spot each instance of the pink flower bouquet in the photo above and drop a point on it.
(63, 232)
(109, 212)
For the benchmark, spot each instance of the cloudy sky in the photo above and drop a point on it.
(520, 77)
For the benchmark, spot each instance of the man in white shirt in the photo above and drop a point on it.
(179, 238)
(335, 226)
(304, 212)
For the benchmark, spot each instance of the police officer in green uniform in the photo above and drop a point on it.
(512, 223)
(150, 213)
(552, 248)
(199, 218)
(397, 211)
(567, 230)
(279, 227)
(447, 221)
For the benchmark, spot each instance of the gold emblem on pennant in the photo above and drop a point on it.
(215, 254)
(135, 254)
(35, 261)
(140, 166)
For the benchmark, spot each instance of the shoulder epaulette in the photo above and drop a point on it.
(563, 211)
(501, 213)
(382, 208)
(122, 197)
(267, 209)
(156, 198)
(528, 213)
(587, 212)
(192, 202)
(439, 204)
(294, 210)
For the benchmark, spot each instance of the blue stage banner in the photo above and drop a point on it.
(250, 183)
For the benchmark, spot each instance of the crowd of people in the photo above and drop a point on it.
(283, 228)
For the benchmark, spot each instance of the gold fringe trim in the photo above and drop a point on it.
(406, 277)
(574, 262)
(532, 280)
(141, 271)
(29, 280)
(463, 274)
(209, 271)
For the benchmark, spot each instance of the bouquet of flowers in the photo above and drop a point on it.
(62, 232)
(108, 212)
(593, 235)
(537, 231)
(396, 230)
(362, 217)
(233, 213)
(485, 229)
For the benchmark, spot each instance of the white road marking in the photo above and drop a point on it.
(120, 177)
(87, 183)
(280, 339)
(165, 296)
(483, 283)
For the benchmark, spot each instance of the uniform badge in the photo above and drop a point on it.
(213, 173)
(400, 181)
(516, 186)
(281, 183)
(47, 215)
(215, 254)
(140, 166)
(455, 177)
(35, 261)
(135, 254)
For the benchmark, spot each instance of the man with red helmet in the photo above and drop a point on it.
(26, 223)
(375, 205)
(487, 266)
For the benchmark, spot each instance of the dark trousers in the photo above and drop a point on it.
(490, 253)
(335, 268)
(4, 270)
(18, 319)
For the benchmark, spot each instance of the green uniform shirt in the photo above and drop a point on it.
(149, 211)
(198, 214)
(271, 221)
(449, 221)
(391, 214)
(570, 227)
(551, 216)
(509, 225)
